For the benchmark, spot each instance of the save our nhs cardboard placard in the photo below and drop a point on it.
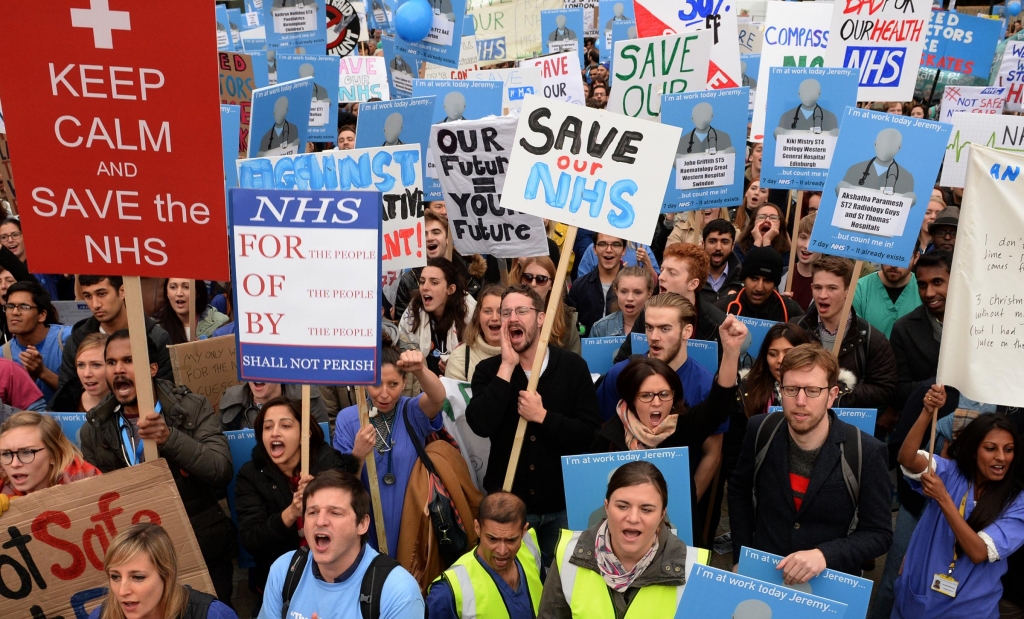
(561, 30)
(802, 124)
(280, 118)
(518, 81)
(396, 123)
(323, 109)
(724, 595)
(611, 12)
(707, 170)
(295, 25)
(444, 41)
(646, 69)
(853, 591)
(560, 77)
(877, 190)
(960, 43)
(363, 78)
(331, 261)
(589, 168)
(586, 481)
(456, 100)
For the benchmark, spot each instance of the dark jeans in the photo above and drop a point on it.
(548, 528)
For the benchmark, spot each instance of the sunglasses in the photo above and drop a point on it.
(541, 279)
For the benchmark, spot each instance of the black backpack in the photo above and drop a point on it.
(369, 590)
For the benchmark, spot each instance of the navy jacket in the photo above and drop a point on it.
(587, 296)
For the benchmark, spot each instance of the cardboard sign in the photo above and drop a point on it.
(308, 303)
(133, 129)
(646, 69)
(208, 367)
(853, 591)
(1002, 132)
(599, 352)
(363, 78)
(884, 41)
(471, 162)
(236, 85)
(751, 37)
(611, 13)
(973, 99)
(795, 35)
(982, 333)
(518, 81)
(280, 118)
(960, 43)
(444, 41)
(507, 31)
(586, 481)
(1011, 75)
(723, 594)
(802, 124)
(72, 311)
(323, 106)
(54, 540)
(566, 156)
(875, 195)
(560, 77)
(561, 30)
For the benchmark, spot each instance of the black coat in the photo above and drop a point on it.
(709, 318)
(777, 307)
(589, 299)
(916, 351)
(733, 283)
(262, 492)
(567, 392)
(827, 509)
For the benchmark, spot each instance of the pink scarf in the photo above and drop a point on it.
(639, 436)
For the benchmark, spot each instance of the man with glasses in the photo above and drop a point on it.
(943, 229)
(562, 414)
(809, 486)
(38, 342)
(591, 294)
(187, 433)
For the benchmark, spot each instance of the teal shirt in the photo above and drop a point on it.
(872, 303)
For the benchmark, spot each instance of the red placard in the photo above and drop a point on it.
(114, 128)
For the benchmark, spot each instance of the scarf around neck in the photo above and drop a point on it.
(615, 575)
(639, 436)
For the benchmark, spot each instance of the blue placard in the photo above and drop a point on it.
(802, 124)
(724, 595)
(403, 68)
(230, 125)
(401, 121)
(378, 15)
(884, 166)
(224, 42)
(960, 43)
(750, 64)
(456, 100)
(621, 31)
(703, 352)
(280, 118)
(298, 28)
(323, 109)
(561, 30)
(237, 24)
(261, 66)
(708, 170)
(599, 352)
(863, 418)
(443, 43)
(850, 590)
(586, 483)
(71, 425)
(611, 13)
(757, 328)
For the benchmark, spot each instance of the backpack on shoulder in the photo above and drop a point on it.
(369, 590)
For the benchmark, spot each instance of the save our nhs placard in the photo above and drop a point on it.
(960, 43)
(443, 43)
(295, 25)
(561, 30)
(586, 481)
(802, 124)
(877, 190)
(518, 81)
(323, 109)
(363, 78)
(331, 263)
(280, 118)
(589, 168)
(707, 168)
(646, 69)
(853, 591)
(560, 77)
(724, 595)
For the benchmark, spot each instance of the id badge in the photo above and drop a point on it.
(816, 130)
(945, 585)
(888, 191)
(712, 150)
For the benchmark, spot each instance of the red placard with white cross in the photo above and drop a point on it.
(114, 131)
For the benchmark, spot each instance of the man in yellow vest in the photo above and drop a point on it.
(500, 578)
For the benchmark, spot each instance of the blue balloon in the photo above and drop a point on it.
(413, 20)
(1013, 8)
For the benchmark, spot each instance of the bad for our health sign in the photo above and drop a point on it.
(307, 267)
(116, 141)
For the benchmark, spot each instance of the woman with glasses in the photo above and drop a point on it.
(767, 228)
(632, 286)
(636, 255)
(539, 273)
(436, 318)
(35, 455)
(483, 336)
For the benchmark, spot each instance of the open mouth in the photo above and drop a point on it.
(276, 449)
(494, 328)
(427, 299)
(998, 470)
(516, 334)
(432, 246)
(123, 386)
(823, 307)
(662, 288)
(656, 417)
(321, 542)
(628, 307)
(631, 535)
(805, 255)
(180, 303)
(19, 478)
(129, 606)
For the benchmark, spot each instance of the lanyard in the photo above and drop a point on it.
(131, 450)
(963, 509)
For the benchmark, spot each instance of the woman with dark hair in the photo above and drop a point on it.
(268, 491)
(538, 272)
(633, 562)
(767, 228)
(482, 339)
(437, 317)
(759, 390)
(754, 197)
(173, 315)
(13, 258)
(974, 519)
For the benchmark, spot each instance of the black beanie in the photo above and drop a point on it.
(764, 262)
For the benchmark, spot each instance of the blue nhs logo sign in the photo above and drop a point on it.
(879, 66)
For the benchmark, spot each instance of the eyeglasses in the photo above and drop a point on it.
(648, 396)
(7, 237)
(21, 307)
(948, 233)
(25, 455)
(541, 279)
(520, 311)
(812, 392)
(606, 245)
(768, 217)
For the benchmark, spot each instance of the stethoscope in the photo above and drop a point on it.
(286, 132)
(817, 116)
(887, 189)
(712, 141)
(389, 477)
(133, 456)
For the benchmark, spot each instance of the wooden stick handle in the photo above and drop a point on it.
(554, 305)
(192, 309)
(931, 446)
(371, 473)
(847, 306)
(140, 355)
(305, 430)
(792, 250)
(503, 271)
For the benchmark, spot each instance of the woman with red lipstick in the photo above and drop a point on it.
(35, 455)
(973, 522)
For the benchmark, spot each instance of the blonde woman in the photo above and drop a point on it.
(482, 339)
(35, 455)
(142, 570)
(632, 286)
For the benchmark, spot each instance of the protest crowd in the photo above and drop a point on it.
(496, 431)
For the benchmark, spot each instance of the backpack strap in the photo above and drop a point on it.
(762, 441)
(6, 351)
(296, 567)
(852, 461)
(372, 586)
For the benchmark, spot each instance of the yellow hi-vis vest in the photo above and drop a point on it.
(587, 593)
(476, 594)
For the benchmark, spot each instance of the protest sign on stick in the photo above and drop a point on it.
(371, 473)
(560, 77)
(304, 447)
(139, 337)
(208, 367)
(646, 69)
(723, 594)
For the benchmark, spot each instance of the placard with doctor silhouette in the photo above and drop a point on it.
(323, 110)
(396, 122)
(561, 30)
(707, 168)
(877, 189)
(802, 124)
(280, 118)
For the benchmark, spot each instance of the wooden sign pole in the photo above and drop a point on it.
(792, 249)
(554, 305)
(305, 430)
(845, 315)
(503, 271)
(931, 446)
(192, 310)
(371, 473)
(140, 355)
